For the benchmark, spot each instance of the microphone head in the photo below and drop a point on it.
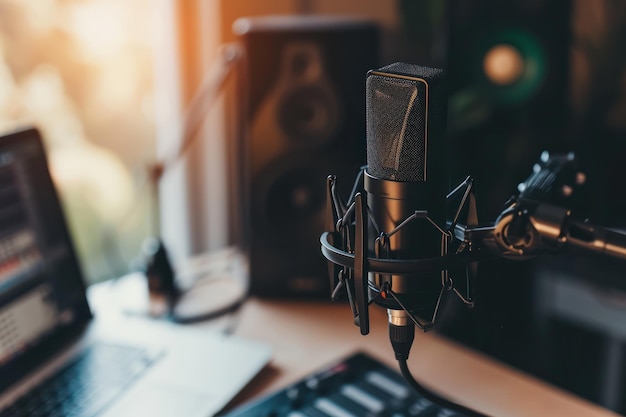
(406, 119)
(406, 172)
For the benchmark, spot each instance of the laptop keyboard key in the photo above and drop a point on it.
(86, 386)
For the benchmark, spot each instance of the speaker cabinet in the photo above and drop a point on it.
(304, 89)
(508, 73)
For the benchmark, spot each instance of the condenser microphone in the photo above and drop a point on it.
(406, 176)
(388, 242)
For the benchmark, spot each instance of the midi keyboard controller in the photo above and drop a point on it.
(358, 386)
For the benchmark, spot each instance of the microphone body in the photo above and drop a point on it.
(406, 172)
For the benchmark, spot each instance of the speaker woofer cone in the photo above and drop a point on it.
(289, 201)
(309, 115)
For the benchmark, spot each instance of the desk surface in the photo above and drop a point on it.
(306, 336)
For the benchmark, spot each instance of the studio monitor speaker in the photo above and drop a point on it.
(303, 86)
(508, 73)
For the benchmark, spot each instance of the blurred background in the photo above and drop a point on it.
(281, 105)
(83, 73)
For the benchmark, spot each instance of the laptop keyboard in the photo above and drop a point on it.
(85, 386)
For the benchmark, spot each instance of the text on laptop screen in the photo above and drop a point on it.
(39, 279)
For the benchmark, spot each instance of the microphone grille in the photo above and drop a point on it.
(402, 103)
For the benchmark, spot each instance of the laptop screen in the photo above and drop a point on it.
(42, 296)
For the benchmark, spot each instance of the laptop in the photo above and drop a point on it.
(56, 358)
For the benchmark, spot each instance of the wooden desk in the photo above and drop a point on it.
(306, 336)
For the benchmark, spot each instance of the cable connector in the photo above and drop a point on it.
(401, 338)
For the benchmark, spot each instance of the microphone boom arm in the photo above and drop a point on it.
(527, 228)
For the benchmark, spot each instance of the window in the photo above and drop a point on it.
(82, 72)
